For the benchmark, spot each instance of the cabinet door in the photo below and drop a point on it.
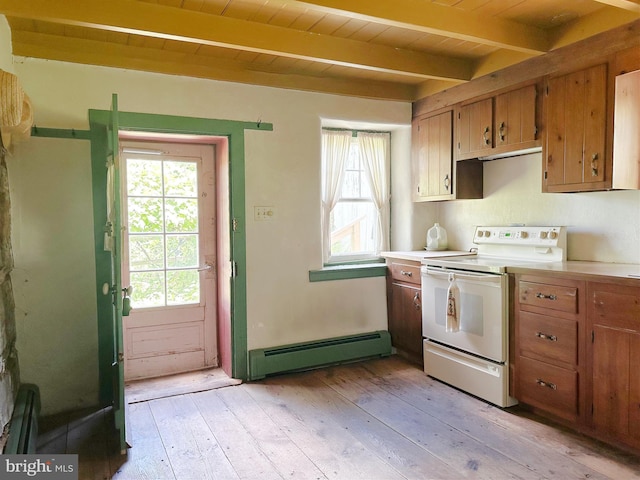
(614, 311)
(575, 135)
(433, 157)
(515, 117)
(474, 127)
(405, 320)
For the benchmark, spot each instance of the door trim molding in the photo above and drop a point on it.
(234, 131)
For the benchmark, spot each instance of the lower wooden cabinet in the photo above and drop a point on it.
(549, 369)
(404, 299)
(577, 353)
(614, 315)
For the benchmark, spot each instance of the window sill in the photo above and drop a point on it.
(345, 272)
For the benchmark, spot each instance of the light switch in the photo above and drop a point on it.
(264, 213)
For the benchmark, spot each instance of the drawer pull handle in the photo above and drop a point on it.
(407, 274)
(542, 383)
(542, 295)
(551, 338)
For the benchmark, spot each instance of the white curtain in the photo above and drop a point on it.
(335, 151)
(374, 151)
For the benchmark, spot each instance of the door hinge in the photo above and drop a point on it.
(234, 224)
(545, 174)
(234, 269)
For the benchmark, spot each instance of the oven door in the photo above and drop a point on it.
(483, 311)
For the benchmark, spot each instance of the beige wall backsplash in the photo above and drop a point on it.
(601, 226)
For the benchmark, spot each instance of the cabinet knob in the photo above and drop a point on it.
(406, 274)
(447, 182)
(485, 135)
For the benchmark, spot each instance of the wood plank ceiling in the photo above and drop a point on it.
(388, 49)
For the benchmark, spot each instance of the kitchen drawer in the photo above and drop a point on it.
(550, 388)
(403, 272)
(552, 297)
(553, 339)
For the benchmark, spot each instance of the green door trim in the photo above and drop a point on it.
(170, 124)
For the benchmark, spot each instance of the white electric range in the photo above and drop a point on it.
(474, 356)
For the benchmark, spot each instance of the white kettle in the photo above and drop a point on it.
(436, 238)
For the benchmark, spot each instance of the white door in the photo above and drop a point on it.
(169, 261)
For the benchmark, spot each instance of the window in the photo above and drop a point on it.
(355, 195)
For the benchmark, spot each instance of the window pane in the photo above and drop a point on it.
(181, 215)
(182, 251)
(148, 289)
(146, 252)
(144, 177)
(180, 179)
(183, 286)
(351, 184)
(145, 215)
(352, 228)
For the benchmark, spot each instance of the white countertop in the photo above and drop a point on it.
(598, 269)
(419, 255)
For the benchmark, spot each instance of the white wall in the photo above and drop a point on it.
(51, 181)
(601, 226)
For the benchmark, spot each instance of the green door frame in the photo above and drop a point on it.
(169, 124)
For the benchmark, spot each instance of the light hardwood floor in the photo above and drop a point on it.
(380, 419)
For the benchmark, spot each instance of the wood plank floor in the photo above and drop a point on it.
(380, 419)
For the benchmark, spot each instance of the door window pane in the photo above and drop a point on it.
(146, 252)
(183, 286)
(180, 179)
(149, 289)
(181, 214)
(163, 232)
(145, 215)
(144, 177)
(182, 251)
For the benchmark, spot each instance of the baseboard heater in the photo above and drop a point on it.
(330, 351)
(23, 428)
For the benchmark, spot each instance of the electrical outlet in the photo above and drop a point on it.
(264, 213)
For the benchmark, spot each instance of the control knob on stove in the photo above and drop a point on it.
(543, 235)
(553, 234)
(487, 233)
(524, 234)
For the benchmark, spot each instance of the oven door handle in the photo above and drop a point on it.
(436, 272)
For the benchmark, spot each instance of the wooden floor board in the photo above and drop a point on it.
(471, 458)
(464, 413)
(376, 420)
(240, 447)
(289, 460)
(337, 452)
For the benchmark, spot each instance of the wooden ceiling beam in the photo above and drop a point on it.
(630, 5)
(427, 17)
(158, 21)
(93, 52)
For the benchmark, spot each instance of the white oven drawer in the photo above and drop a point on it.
(483, 311)
(484, 379)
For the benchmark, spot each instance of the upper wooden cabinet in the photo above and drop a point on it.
(626, 125)
(475, 129)
(497, 125)
(515, 117)
(574, 147)
(435, 174)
